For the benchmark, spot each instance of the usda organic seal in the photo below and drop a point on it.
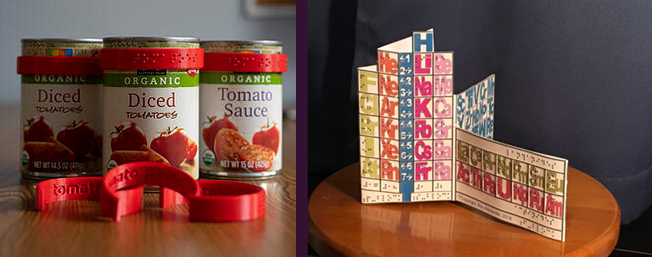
(24, 158)
(112, 164)
(208, 157)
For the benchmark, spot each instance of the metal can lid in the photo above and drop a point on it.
(243, 42)
(61, 40)
(151, 42)
(242, 46)
(61, 46)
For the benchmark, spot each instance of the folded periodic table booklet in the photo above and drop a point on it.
(420, 142)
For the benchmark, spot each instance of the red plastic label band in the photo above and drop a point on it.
(220, 201)
(77, 188)
(152, 59)
(136, 174)
(120, 193)
(59, 65)
(223, 201)
(245, 62)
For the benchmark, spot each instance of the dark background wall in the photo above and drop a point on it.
(332, 116)
(573, 79)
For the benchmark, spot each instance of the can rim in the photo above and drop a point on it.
(153, 39)
(245, 42)
(61, 40)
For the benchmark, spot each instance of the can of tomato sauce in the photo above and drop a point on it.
(61, 107)
(151, 96)
(241, 108)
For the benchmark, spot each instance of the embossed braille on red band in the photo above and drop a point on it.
(152, 59)
(245, 62)
(59, 65)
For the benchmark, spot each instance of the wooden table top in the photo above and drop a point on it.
(340, 225)
(75, 228)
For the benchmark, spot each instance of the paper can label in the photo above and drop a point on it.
(151, 115)
(241, 118)
(62, 125)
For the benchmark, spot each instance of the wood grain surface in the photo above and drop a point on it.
(339, 225)
(77, 228)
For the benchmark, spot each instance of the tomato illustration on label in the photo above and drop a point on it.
(175, 145)
(214, 125)
(80, 137)
(37, 129)
(126, 156)
(228, 143)
(192, 151)
(128, 136)
(260, 156)
(268, 136)
(47, 152)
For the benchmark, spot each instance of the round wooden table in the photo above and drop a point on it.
(340, 225)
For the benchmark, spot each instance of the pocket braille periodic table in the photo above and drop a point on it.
(420, 142)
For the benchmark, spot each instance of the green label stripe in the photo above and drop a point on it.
(60, 79)
(180, 79)
(241, 78)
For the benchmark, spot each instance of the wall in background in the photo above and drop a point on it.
(77, 18)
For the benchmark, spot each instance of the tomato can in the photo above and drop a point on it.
(151, 96)
(61, 107)
(241, 109)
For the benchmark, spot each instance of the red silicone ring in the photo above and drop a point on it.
(59, 65)
(120, 193)
(152, 59)
(77, 188)
(136, 174)
(220, 201)
(245, 62)
(225, 201)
